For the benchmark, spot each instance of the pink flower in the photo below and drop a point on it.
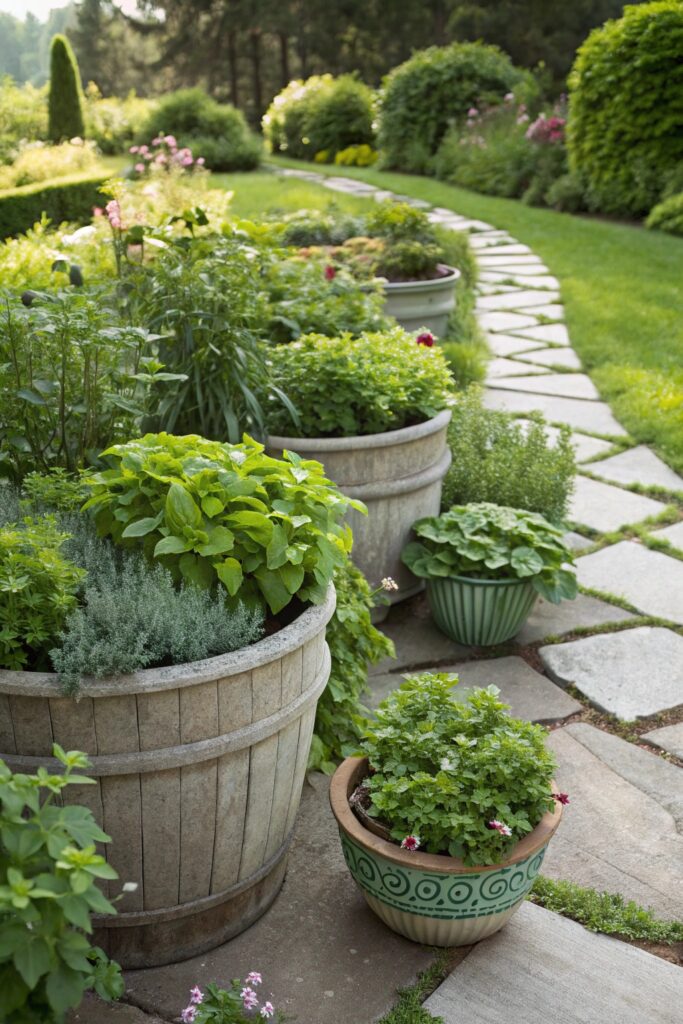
(97, 211)
(160, 159)
(157, 140)
(330, 272)
(249, 998)
(267, 1010)
(508, 97)
(113, 211)
(133, 149)
(410, 843)
(426, 338)
(499, 827)
(170, 140)
(140, 168)
(473, 112)
(196, 994)
(187, 161)
(254, 978)
(188, 1014)
(143, 149)
(562, 798)
(200, 161)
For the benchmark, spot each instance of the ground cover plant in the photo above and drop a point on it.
(621, 290)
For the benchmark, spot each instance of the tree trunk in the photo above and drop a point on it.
(284, 58)
(232, 65)
(256, 73)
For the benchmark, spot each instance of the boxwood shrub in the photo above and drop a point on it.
(71, 198)
(626, 107)
(437, 86)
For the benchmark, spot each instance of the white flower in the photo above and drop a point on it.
(389, 584)
(447, 765)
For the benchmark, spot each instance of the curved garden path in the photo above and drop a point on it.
(323, 954)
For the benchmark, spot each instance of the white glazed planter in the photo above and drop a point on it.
(418, 304)
(198, 769)
(398, 475)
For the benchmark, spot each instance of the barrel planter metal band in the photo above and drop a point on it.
(434, 899)
(398, 475)
(480, 612)
(417, 304)
(198, 769)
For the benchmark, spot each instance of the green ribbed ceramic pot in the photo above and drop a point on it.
(480, 612)
(433, 899)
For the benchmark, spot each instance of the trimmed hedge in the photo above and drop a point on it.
(71, 198)
(626, 107)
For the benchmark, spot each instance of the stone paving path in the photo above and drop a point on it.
(325, 957)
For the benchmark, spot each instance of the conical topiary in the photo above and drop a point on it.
(65, 105)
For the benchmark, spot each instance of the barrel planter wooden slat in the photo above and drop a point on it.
(199, 771)
(398, 475)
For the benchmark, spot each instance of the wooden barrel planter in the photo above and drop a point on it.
(398, 475)
(199, 772)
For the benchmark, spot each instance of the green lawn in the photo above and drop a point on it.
(623, 291)
(265, 192)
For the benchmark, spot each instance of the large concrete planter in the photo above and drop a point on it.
(434, 899)
(418, 304)
(199, 771)
(398, 475)
(480, 612)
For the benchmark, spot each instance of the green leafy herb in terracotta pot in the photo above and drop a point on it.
(445, 821)
(485, 566)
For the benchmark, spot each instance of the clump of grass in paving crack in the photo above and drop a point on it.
(409, 1008)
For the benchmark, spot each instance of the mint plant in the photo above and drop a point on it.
(348, 386)
(461, 778)
(490, 542)
(48, 890)
(267, 529)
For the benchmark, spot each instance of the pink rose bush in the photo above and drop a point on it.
(164, 153)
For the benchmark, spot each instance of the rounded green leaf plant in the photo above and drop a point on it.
(483, 541)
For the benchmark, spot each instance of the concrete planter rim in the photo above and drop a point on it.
(270, 648)
(349, 774)
(388, 438)
(421, 287)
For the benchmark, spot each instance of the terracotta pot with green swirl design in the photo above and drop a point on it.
(432, 898)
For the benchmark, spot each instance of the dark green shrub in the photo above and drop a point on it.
(626, 107)
(498, 460)
(71, 199)
(216, 131)
(321, 115)
(65, 102)
(436, 87)
(667, 215)
(567, 193)
(467, 361)
(492, 155)
(354, 644)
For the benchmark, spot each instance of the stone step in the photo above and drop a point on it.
(607, 508)
(509, 367)
(508, 344)
(565, 357)
(668, 738)
(554, 334)
(673, 534)
(591, 417)
(543, 967)
(650, 581)
(638, 466)
(498, 321)
(565, 385)
(519, 298)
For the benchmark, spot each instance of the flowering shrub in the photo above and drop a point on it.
(48, 892)
(456, 777)
(490, 542)
(164, 154)
(545, 130)
(348, 386)
(237, 1005)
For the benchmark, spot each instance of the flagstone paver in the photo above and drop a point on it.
(543, 967)
(530, 695)
(668, 738)
(589, 416)
(565, 357)
(506, 367)
(584, 612)
(565, 385)
(605, 507)
(553, 310)
(417, 640)
(516, 299)
(575, 541)
(638, 466)
(495, 321)
(555, 334)
(323, 954)
(507, 344)
(630, 674)
(533, 280)
(585, 446)
(650, 581)
(493, 259)
(674, 535)
(623, 829)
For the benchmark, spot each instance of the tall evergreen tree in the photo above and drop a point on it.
(65, 102)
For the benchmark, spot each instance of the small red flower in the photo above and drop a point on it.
(562, 798)
(410, 843)
(330, 272)
(426, 338)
